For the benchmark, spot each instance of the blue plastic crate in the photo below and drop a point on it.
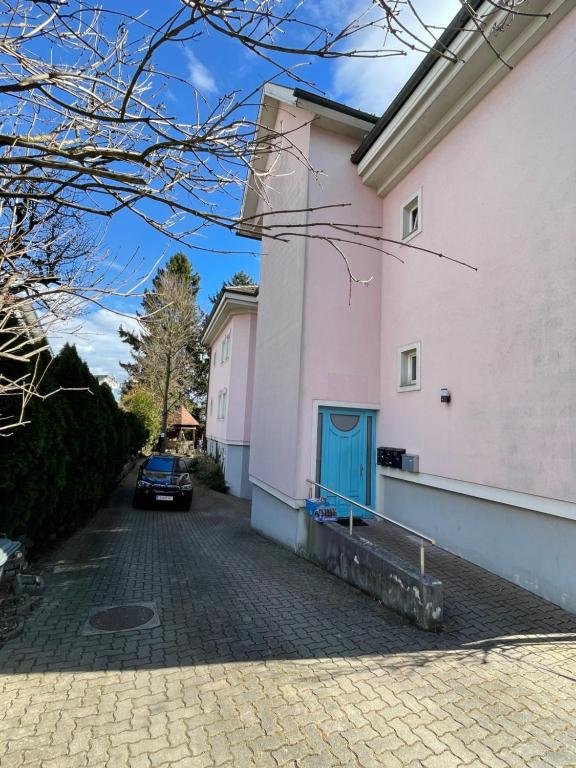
(320, 510)
(325, 515)
(313, 504)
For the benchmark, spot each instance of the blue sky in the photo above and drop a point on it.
(215, 66)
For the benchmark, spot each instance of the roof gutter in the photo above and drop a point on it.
(321, 101)
(443, 43)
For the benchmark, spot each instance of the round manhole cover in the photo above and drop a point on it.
(121, 617)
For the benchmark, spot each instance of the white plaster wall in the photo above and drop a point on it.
(499, 192)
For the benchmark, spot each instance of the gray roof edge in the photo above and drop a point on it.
(243, 290)
(322, 101)
(440, 46)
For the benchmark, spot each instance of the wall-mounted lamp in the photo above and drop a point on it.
(445, 395)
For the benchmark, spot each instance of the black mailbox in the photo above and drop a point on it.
(390, 457)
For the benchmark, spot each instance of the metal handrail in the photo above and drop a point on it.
(352, 503)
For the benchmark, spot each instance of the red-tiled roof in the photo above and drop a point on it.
(182, 417)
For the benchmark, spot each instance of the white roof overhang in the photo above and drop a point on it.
(273, 96)
(229, 305)
(449, 91)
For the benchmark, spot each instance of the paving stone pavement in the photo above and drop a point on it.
(261, 659)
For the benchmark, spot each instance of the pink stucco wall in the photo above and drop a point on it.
(312, 343)
(219, 379)
(500, 193)
(236, 375)
(341, 334)
(241, 378)
(275, 437)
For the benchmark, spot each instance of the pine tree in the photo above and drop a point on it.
(238, 278)
(167, 356)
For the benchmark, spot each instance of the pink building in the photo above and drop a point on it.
(231, 334)
(476, 161)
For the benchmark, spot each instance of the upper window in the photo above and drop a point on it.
(345, 422)
(222, 397)
(225, 348)
(412, 216)
(409, 367)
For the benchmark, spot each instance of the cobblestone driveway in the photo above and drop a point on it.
(263, 660)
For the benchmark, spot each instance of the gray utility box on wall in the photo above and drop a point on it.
(410, 462)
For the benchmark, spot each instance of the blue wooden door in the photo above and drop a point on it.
(346, 456)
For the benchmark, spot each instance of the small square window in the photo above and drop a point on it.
(409, 367)
(412, 216)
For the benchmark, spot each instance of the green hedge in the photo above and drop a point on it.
(55, 471)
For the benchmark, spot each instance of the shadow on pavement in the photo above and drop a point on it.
(225, 594)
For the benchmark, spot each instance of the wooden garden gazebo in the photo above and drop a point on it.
(182, 427)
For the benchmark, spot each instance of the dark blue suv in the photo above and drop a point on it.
(163, 480)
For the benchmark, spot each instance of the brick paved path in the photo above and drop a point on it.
(263, 660)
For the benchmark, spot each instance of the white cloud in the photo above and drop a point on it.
(97, 341)
(199, 75)
(371, 84)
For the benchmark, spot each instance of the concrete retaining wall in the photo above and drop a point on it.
(376, 572)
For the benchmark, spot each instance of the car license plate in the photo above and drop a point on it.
(164, 498)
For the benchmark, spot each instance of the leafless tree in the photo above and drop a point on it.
(86, 134)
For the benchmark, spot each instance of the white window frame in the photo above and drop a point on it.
(405, 382)
(225, 348)
(414, 201)
(222, 398)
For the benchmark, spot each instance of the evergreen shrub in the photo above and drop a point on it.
(209, 472)
(56, 470)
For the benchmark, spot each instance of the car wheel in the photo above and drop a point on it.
(137, 501)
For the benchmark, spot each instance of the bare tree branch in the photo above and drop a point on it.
(85, 135)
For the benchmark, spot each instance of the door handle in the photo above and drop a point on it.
(361, 470)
